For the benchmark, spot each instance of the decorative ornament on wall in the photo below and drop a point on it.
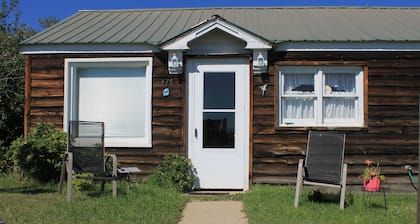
(263, 89)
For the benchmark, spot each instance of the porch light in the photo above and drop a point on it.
(260, 61)
(175, 62)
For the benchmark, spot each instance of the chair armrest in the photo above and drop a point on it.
(114, 164)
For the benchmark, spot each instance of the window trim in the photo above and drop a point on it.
(70, 77)
(361, 85)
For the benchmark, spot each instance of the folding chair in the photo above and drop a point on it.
(86, 154)
(324, 164)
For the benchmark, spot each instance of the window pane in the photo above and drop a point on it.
(298, 83)
(218, 130)
(115, 96)
(340, 83)
(339, 108)
(299, 108)
(219, 90)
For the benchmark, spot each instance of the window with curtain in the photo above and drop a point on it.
(116, 92)
(320, 96)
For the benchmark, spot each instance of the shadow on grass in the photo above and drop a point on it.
(329, 198)
(27, 190)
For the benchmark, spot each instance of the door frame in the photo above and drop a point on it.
(191, 67)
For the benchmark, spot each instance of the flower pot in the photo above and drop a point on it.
(373, 185)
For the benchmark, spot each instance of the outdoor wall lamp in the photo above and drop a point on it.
(259, 61)
(175, 62)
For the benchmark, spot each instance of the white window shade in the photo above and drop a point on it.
(116, 91)
(115, 96)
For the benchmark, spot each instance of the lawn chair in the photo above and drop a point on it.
(86, 154)
(324, 164)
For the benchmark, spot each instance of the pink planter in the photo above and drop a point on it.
(373, 185)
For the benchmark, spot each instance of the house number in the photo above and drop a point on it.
(167, 82)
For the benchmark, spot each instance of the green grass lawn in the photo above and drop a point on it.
(26, 202)
(274, 204)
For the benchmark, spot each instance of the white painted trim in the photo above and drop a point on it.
(200, 66)
(71, 64)
(367, 46)
(318, 96)
(181, 43)
(87, 48)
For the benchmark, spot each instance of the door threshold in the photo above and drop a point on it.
(210, 192)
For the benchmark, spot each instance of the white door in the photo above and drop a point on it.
(218, 122)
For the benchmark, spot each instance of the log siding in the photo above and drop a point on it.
(390, 135)
(45, 101)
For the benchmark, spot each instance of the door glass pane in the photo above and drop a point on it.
(219, 90)
(218, 129)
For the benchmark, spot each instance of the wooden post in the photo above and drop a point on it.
(26, 113)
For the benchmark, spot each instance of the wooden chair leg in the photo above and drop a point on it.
(114, 175)
(62, 175)
(69, 176)
(343, 187)
(299, 181)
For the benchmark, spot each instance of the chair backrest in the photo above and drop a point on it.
(324, 157)
(86, 141)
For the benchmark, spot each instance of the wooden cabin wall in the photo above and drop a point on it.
(45, 101)
(390, 136)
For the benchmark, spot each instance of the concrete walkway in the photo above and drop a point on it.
(217, 212)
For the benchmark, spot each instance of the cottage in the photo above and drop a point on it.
(235, 89)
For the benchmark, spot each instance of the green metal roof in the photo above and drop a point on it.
(156, 26)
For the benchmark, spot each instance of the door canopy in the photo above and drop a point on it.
(179, 44)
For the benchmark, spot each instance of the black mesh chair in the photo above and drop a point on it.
(86, 154)
(324, 164)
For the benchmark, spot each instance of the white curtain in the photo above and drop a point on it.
(341, 82)
(115, 96)
(339, 108)
(295, 83)
(298, 108)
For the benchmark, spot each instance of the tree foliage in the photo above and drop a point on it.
(11, 77)
(47, 22)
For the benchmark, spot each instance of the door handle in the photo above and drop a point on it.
(195, 132)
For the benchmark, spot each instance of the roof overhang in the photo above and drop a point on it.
(348, 46)
(93, 48)
(216, 22)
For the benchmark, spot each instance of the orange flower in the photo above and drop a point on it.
(368, 162)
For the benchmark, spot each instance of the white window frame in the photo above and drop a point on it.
(319, 95)
(71, 65)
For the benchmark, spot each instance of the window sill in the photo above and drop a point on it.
(295, 128)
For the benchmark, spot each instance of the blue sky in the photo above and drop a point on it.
(31, 10)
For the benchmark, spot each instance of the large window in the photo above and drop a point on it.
(116, 91)
(320, 96)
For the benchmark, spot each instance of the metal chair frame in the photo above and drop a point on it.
(323, 177)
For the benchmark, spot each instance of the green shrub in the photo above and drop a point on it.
(84, 184)
(40, 156)
(174, 171)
